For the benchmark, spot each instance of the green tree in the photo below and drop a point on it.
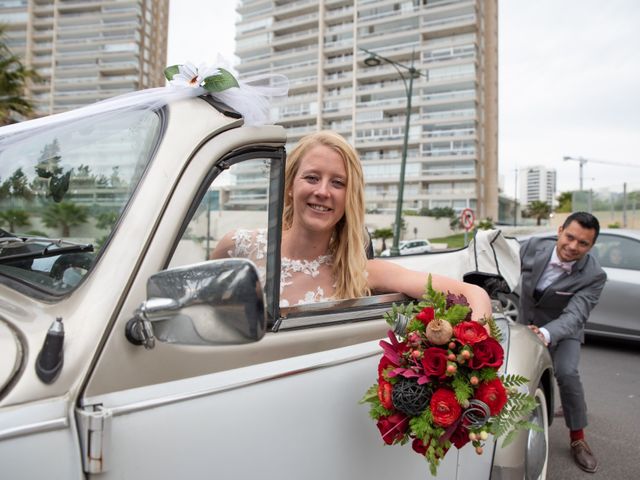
(106, 220)
(14, 78)
(564, 202)
(64, 215)
(539, 210)
(384, 234)
(485, 224)
(17, 186)
(14, 218)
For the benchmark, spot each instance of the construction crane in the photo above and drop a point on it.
(583, 160)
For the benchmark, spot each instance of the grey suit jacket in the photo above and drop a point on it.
(564, 307)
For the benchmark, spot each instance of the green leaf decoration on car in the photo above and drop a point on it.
(170, 71)
(222, 81)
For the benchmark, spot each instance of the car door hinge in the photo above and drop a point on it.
(94, 424)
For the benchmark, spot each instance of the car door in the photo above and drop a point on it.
(617, 311)
(283, 407)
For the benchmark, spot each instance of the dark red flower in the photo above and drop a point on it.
(384, 394)
(493, 394)
(460, 436)
(393, 351)
(469, 333)
(393, 427)
(426, 315)
(419, 446)
(453, 299)
(487, 353)
(434, 362)
(444, 407)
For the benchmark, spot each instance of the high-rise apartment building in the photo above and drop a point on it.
(538, 184)
(87, 50)
(452, 139)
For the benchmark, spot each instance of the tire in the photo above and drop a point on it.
(510, 305)
(537, 450)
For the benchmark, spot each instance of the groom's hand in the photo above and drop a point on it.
(537, 331)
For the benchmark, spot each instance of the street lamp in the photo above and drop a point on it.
(373, 60)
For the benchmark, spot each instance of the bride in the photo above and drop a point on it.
(323, 240)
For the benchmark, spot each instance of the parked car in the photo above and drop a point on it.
(124, 354)
(616, 314)
(410, 247)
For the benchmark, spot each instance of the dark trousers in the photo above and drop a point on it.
(566, 357)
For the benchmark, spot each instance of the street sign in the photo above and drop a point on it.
(467, 218)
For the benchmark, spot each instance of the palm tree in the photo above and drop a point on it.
(64, 215)
(383, 233)
(538, 209)
(14, 76)
(14, 218)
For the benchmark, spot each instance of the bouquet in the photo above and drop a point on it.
(438, 382)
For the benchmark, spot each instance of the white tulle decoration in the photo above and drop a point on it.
(251, 98)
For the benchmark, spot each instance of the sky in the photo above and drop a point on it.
(569, 82)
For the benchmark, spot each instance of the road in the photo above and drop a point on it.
(610, 372)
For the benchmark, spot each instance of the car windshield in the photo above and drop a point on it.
(65, 185)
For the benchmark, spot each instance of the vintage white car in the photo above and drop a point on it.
(124, 354)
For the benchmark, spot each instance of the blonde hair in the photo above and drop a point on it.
(347, 243)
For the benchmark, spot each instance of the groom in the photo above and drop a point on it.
(560, 284)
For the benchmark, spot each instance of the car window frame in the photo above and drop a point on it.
(275, 204)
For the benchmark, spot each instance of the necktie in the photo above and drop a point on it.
(566, 266)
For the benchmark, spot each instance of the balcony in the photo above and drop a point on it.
(469, 113)
(294, 21)
(339, 12)
(456, 95)
(388, 15)
(450, 133)
(297, 36)
(448, 25)
(450, 152)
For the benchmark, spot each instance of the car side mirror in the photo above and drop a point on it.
(219, 302)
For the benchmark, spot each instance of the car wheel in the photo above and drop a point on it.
(510, 305)
(537, 454)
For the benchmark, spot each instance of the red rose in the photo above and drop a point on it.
(444, 407)
(469, 333)
(460, 436)
(384, 394)
(487, 353)
(393, 427)
(426, 315)
(419, 446)
(434, 362)
(493, 394)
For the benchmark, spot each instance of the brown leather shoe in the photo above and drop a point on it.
(583, 456)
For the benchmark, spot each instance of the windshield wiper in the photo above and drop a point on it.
(13, 248)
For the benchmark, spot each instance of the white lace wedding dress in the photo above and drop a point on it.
(301, 281)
